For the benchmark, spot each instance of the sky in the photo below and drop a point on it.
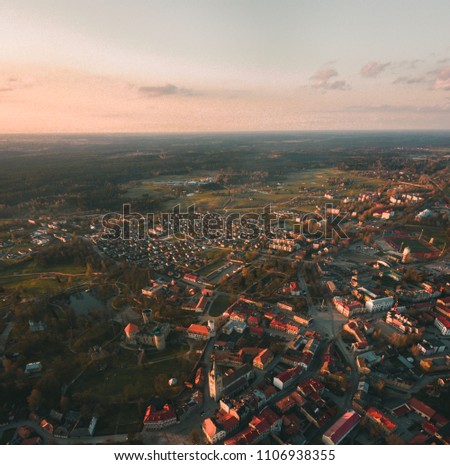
(230, 65)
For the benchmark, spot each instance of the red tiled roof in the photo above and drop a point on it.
(190, 277)
(306, 357)
(202, 302)
(442, 309)
(209, 427)
(444, 321)
(289, 374)
(257, 329)
(310, 385)
(47, 426)
(237, 316)
(261, 425)
(229, 423)
(131, 328)
(439, 420)
(250, 435)
(291, 418)
(401, 410)
(419, 406)
(299, 400)
(286, 403)
(316, 384)
(153, 415)
(343, 426)
(237, 440)
(264, 356)
(419, 438)
(199, 329)
(383, 420)
(270, 391)
(269, 415)
(315, 396)
(430, 428)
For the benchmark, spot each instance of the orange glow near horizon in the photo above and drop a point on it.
(173, 68)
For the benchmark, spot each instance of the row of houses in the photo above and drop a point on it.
(402, 322)
(288, 417)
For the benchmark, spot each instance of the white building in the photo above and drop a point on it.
(234, 325)
(443, 324)
(380, 304)
(375, 303)
(287, 377)
(33, 368)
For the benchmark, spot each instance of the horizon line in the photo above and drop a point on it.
(225, 132)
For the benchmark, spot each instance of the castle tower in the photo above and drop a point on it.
(160, 340)
(212, 331)
(215, 382)
(147, 315)
(406, 254)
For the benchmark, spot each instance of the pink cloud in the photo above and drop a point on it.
(323, 79)
(442, 81)
(373, 69)
(324, 74)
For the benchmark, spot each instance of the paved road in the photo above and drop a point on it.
(329, 322)
(4, 336)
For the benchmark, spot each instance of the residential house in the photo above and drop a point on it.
(159, 415)
(287, 377)
(263, 359)
(443, 324)
(341, 428)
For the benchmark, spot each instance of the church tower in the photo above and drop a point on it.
(215, 382)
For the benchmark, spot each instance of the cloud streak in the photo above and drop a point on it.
(442, 81)
(373, 69)
(439, 109)
(166, 90)
(409, 80)
(443, 61)
(408, 64)
(437, 79)
(324, 78)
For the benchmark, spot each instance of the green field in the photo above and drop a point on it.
(27, 276)
(220, 304)
(160, 189)
(428, 232)
(415, 245)
(121, 419)
(46, 346)
(205, 271)
(268, 284)
(289, 192)
(125, 380)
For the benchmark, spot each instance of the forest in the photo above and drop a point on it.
(88, 173)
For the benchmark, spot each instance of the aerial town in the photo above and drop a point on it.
(303, 330)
